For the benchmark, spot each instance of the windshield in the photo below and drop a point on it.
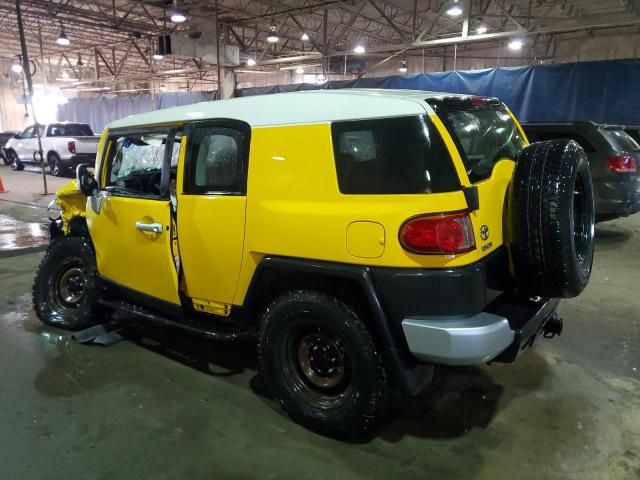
(620, 140)
(483, 136)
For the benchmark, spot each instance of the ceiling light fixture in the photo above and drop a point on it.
(304, 37)
(273, 37)
(454, 10)
(163, 87)
(62, 39)
(403, 66)
(359, 49)
(251, 62)
(299, 70)
(177, 15)
(515, 44)
(481, 30)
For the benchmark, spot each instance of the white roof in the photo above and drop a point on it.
(312, 106)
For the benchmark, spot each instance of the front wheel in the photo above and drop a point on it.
(14, 161)
(323, 365)
(64, 292)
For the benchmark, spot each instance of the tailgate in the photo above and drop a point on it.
(87, 145)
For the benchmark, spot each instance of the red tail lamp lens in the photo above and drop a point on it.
(622, 164)
(72, 147)
(448, 234)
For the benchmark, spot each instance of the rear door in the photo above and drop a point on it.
(211, 212)
(132, 230)
(488, 140)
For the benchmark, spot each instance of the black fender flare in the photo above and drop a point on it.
(411, 375)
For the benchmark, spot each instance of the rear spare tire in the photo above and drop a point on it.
(552, 219)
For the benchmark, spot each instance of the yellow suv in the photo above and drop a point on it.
(364, 237)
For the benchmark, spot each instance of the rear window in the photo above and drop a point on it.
(634, 133)
(402, 155)
(483, 136)
(620, 140)
(70, 130)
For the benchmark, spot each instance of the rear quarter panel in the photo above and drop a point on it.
(295, 208)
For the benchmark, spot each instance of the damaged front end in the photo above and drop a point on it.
(73, 204)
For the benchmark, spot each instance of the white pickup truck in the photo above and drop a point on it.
(65, 145)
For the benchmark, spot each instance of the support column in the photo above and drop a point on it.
(227, 83)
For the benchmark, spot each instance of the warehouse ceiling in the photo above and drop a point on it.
(112, 40)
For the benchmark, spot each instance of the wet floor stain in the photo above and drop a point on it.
(17, 235)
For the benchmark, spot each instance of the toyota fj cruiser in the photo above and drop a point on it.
(364, 237)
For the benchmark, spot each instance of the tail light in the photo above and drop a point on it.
(72, 147)
(441, 233)
(622, 164)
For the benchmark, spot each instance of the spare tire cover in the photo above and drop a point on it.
(552, 219)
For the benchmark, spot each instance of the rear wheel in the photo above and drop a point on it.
(64, 292)
(54, 164)
(323, 365)
(14, 161)
(552, 219)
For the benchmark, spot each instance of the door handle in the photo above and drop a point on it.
(149, 227)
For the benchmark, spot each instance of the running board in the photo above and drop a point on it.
(205, 328)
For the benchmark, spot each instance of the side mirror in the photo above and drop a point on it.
(87, 183)
(17, 136)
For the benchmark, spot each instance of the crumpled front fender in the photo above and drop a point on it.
(72, 202)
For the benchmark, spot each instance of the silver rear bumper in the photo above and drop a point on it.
(458, 341)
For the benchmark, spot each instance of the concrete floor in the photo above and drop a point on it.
(169, 406)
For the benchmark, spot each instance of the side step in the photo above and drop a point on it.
(206, 328)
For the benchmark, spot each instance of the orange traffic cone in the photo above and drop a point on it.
(2, 190)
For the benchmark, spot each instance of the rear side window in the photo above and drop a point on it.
(483, 136)
(402, 155)
(217, 161)
(70, 130)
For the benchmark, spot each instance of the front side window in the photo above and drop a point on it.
(483, 136)
(402, 155)
(136, 162)
(27, 132)
(217, 161)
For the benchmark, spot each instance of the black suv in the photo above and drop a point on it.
(613, 156)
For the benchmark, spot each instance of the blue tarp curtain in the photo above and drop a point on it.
(603, 91)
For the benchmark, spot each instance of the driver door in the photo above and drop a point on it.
(132, 230)
(22, 145)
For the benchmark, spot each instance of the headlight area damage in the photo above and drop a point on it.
(73, 204)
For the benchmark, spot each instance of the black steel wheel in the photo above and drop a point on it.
(14, 161)
(552, 219)
(323, 365)
(64, 293)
